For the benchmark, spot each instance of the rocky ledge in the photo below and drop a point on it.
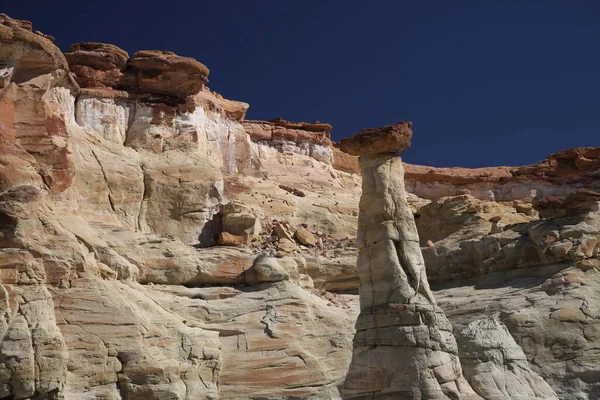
(559, 174)
(312, 139)
(159, 75)
(18, 39)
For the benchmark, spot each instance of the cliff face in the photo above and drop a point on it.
(560, 174)
(115, 180)
(154, 244)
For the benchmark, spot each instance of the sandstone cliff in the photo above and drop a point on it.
(155, 244)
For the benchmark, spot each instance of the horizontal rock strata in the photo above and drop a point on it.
(296, 137)
(119, 184)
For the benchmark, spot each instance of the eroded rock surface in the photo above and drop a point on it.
(97, 65)
(165, 73)
(26, 53)
(279, 341)
(496, 366)
(404, 346)
(388, 139)
(151, 74)
(295, 137)
(117, 183)
(559, 174)
(103, 192)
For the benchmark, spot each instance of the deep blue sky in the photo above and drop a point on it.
(485, 82)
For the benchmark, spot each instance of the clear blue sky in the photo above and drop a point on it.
(485, 82)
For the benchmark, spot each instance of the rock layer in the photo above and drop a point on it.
(295, 137)
(151, 74)
(26, 53)
(113, 283)
(404, 347)
(387, 139)
(103, 190)
(97, 65)
(559, 174)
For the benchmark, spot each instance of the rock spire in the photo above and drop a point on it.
(404, 347)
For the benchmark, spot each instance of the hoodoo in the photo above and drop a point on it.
(404, 347)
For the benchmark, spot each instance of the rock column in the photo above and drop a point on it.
(404, 347)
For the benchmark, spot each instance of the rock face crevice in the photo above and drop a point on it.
(404, 347)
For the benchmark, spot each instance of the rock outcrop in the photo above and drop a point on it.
(388, 139)
(526, 244)
(343, 161)
(25, 54)
(164, 73)
(296, 137)
(104, 189)
(560, 174)
(154, 244)
(464, 216)
(404, 346)
(97, 65)
(496, 366)
(150, 74)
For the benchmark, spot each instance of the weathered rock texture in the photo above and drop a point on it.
(97, 65)
(119, 183)
(560, 174)
(103, 191)
(344, 161)
(496, 366)
(388, 139)
(151, 74)
(27, 54)
(165, 73)
(540, 279)
(404, 346)
(294, 137)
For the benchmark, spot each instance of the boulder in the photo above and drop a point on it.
(97, 65)
(305, 237)
(282, 231)
(165, 73)
(227, 239)
(286, 246)
(240, 221)
(387, 139)
(266, 269)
